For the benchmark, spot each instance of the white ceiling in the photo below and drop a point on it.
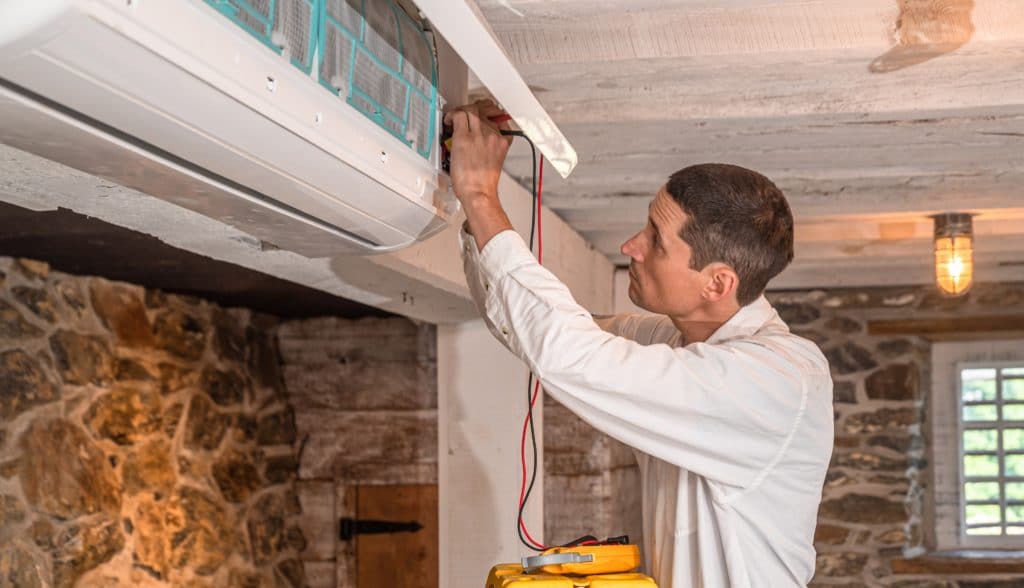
(870, 115)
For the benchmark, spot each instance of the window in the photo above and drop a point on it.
(978, 453)
(992, 446)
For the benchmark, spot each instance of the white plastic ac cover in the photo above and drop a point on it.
(177, 101)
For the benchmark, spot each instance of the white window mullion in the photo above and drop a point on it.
(950, 434)
(1002, 452)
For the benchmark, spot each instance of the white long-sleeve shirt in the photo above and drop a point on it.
(733, 435)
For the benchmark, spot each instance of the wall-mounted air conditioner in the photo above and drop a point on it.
(311, 124)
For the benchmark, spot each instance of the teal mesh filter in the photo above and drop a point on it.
(375, 56)
(289, 27)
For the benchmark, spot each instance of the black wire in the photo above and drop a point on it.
(529, 382)
(533, 205)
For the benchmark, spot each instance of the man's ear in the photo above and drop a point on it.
(721, 284)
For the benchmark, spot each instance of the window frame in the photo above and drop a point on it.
(999, 424)
(948, 502)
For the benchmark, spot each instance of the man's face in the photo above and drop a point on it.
(660, 278)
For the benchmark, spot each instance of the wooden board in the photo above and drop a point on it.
(398, 560)
(947, 327)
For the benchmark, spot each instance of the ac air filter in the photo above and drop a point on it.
(288, 27)
(373, 55)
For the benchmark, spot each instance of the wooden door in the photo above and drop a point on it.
(398, 560)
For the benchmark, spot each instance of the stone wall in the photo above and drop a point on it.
(874, 508)
(145, 439)
(365, 398)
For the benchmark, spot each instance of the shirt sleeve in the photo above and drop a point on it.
(478, 290)
(642, 328)
(723, 411)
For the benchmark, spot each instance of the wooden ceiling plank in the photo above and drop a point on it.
(584, 30)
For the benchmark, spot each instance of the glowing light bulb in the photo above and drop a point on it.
(956, 267)
(954, 254)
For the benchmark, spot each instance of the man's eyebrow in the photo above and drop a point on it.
(657, 228)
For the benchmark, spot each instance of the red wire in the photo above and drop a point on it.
(522, 457)
(536, 388)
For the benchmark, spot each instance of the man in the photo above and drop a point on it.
(729, 413)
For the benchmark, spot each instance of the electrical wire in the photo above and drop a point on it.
(531, 395)
(538, 213)
(536, 229)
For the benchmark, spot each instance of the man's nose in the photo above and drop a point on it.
(630, 248)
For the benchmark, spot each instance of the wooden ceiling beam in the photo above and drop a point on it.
(575, 31)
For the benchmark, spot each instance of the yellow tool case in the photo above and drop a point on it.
(590, 566)
(512, 576)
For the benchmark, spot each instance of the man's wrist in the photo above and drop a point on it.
(475, 200)
(485, 217)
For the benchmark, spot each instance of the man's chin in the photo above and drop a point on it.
(635, 298)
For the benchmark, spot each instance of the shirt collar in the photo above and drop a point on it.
(748, 320)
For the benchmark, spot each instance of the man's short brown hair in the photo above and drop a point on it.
(737, 217)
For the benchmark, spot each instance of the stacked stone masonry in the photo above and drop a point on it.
(873, 508)
(145, 439)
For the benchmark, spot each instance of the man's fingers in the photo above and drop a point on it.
(473, 117)
(458, 122)
(481, 116)
(463, 119)
(504, 123)
(490, 110)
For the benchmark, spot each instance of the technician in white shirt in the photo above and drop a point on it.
(729, 413)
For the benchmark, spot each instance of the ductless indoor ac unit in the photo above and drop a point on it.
(311, 124)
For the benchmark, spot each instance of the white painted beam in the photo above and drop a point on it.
(774, 84)
(957, 143)
(996, 244)
(868, 273)
(424, 282)
(540, 31)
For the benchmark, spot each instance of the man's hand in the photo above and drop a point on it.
(477, 156)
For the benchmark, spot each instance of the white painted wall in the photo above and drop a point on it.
(481, 406)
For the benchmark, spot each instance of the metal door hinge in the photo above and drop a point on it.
(349, 527)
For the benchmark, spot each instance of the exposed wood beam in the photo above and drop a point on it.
(947, 326)
(775, 84)
(831, 200)
(827, 165)
(959, 563)
(960, 144)
(583, 30)
(877, 227)
(743, 132)
(1007, 250)
(881, 271)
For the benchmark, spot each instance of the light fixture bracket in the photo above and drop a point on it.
(952, 224)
